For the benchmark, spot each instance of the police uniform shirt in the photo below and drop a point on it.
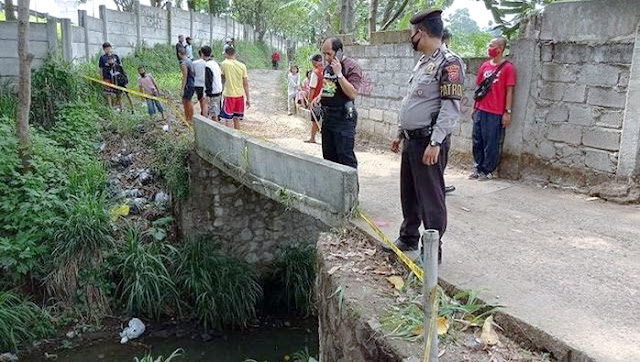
(436, 85)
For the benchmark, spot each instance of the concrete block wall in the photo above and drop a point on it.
(581, 99)
(146, 26)
(42, 40)
(387, 62)
(576, 117)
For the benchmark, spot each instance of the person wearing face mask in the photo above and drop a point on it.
(492, 110)
(428, 115)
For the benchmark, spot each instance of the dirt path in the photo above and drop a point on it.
(559, 261)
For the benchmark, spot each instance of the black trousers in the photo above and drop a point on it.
(338, 136)
(422, 190)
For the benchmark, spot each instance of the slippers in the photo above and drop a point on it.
(309, 141)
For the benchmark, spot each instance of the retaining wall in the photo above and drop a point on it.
(575, 118)
(324, 190)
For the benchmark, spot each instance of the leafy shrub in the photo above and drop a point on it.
(171, 162)
(294, 275)
(76, 127)
(222, 290)
(21, 256)
(21, 322)
(53, 85)
(146, 285)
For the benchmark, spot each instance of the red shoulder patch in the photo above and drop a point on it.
(453, 71)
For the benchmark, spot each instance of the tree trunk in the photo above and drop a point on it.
(24, 84)
(373, 17)
(351, 20)
(395, 16)
(388, 11)
(191, 5)
(344, 16)
(9, 10)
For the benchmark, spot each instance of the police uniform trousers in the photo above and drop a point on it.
(338, 135)
(422, 190)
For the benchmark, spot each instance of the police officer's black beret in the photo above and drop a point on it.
(429, 14)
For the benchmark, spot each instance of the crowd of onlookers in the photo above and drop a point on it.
(222, 90)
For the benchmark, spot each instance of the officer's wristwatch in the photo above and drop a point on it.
(434, 144)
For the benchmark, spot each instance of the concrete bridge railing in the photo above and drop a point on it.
(318, 188)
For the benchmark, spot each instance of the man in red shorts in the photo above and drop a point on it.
(236, 88)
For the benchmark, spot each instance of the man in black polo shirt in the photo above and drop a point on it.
(342, 79)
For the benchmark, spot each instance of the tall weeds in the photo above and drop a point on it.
(222, 290)
(21, 322)
(146, 286)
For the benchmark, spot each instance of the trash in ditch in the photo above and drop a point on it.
(334, 269)
(397, 281)
(489, 335)
(116, 212)
(134, 330)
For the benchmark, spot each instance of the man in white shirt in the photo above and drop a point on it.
(212, 83)
(199, 70)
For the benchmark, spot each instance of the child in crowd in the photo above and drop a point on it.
(148, 85)
(303, 94)
(293, 86)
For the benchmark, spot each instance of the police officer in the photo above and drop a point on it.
(342, 78)
(428, 114)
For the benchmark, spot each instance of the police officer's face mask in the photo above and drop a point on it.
(414, 42)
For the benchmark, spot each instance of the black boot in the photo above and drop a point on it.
(402, 245)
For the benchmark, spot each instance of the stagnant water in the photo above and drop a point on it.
(264, 344)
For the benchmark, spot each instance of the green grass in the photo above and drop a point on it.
(171, 162)
(222, 290)
(293, 277)
(148, 358)
(146, 285)
(462, 310)
(21, 322)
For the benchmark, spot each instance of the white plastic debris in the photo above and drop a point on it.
(165, 127)
(9, 357)
(135, 330)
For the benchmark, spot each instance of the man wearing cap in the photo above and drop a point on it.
(428, 114)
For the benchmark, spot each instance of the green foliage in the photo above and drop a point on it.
(85, 231)
(470, 44)
(294, 274)
(222, 290)
(148, 358)
(461, 310)
(76, 127)
(509, 14)
(171, 162)
(53, 85)
(255, 55)
(8, 100)
(20, 256)
(21, 322)
(146, 286)
(303, 356)
(79, 244)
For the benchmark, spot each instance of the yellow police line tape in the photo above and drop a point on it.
(405, 259)
(433, 294)
(165, 100)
